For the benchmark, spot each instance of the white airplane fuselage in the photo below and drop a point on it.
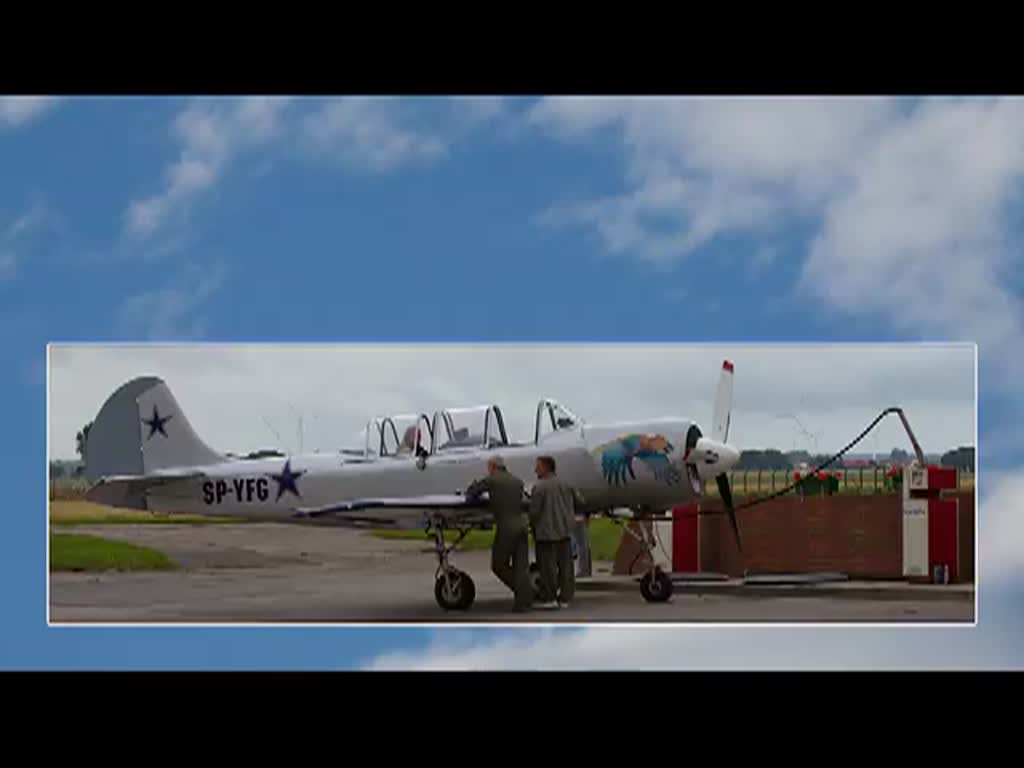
(143, 453)
(621, 465)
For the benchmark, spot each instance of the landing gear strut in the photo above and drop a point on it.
(655, 585)
(454, 590)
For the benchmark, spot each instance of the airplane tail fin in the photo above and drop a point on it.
(141, 429)
(723, 405)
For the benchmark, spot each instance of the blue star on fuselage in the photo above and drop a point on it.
(156, 424)
(286, 480)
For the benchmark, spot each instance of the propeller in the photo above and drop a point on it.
(693, 437)
(693, 434)
(726, 493)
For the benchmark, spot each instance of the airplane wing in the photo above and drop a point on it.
(130, 490)
(441, 502)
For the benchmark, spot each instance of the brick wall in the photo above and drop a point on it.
(861, 536)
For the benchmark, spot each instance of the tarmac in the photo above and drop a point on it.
(268, 574)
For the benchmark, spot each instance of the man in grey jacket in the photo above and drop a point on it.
(553, 517)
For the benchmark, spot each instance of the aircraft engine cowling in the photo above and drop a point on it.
(706, 458)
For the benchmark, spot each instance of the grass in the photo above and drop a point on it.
(76, 552)
(476, 540)
(87, 513)
(605, 536)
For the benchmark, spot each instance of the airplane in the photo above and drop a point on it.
(143, 453)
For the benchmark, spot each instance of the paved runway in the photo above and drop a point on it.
(286, 573)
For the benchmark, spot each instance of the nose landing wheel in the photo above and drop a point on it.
(656, 586)
(454, 590)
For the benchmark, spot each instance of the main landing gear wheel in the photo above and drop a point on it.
(535, 584)
(656, 587)
(456, 592)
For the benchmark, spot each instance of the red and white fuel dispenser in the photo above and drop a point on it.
(930, 530)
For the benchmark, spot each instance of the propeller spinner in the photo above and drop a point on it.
(704, 453)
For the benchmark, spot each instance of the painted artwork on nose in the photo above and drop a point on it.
(617, 457)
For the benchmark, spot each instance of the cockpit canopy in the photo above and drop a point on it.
(480, 426)
(399, 435)
(476, 427)
(553, 417)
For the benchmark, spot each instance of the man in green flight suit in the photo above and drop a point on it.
(510, 553)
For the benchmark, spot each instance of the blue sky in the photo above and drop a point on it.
(456, 219)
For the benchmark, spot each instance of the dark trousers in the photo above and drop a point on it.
(554, 558)
(510, 561)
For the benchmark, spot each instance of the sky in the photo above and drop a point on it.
(482, 220)
(793, 397)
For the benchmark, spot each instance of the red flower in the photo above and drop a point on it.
(821, 475)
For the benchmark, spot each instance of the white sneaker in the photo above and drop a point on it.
(562, 605)
(548, 606)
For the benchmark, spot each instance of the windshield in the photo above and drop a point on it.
(412, 434)
(564, 418)
(477, 427)
(553, 417)
(403, 428)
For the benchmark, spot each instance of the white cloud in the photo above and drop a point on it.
(994, 644)
(8, 265)
(370, 134)
(18, 111)
(376, 135)
(337, 388)
(707, 648)
(172, 312)
(480, 109)
(212, 135)
(37, 217)
(921, 235)
(474, 114)
(697, 168)
(1003, 447)
(1002, 527)
(16, 238)
(910, 201)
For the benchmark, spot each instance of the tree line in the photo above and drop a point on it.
(774, 459)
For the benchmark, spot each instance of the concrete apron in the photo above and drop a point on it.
(708, 584)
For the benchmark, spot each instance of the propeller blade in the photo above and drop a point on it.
(726, 493)
(693, 434)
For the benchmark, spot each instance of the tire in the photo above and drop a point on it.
(470, 597)
(535, 585)
(657, 589)
(463, 591)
